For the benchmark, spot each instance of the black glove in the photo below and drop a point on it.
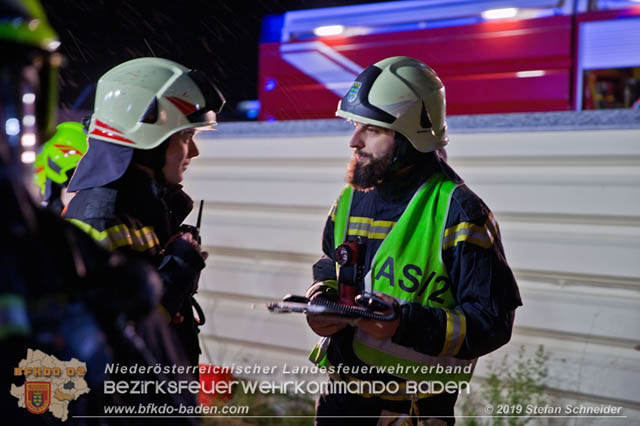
(179, 270)
(318, 289)
(187, 253)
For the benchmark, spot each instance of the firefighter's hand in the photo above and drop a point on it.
(380, 329)
(189, 238)
(322, 327)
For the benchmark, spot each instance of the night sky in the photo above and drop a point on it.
(218, 37)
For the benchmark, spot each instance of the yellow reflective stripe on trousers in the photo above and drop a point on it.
(121, 236)
(455, 333)
(482, 236)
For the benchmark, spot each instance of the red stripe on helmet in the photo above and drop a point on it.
(67, 148)
(111, 136)
(185, 107)
(106, 126)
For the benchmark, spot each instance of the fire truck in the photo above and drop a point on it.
(498, 56)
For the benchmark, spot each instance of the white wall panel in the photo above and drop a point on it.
(568, 203)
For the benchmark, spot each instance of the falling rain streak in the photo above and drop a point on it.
(218, 37)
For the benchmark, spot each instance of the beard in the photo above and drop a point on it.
(365, 176)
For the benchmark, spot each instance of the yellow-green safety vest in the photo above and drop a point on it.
(408, 266)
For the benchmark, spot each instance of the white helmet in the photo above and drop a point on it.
(142, 102)
(401, 94)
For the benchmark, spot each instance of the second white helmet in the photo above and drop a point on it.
(142, 102)
(401, 94)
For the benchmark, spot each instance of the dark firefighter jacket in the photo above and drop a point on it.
(63, 294)
(136, 216)
(483, 284)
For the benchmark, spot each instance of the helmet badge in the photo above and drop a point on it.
(353, 91)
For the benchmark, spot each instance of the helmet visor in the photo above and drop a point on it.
(214, 101)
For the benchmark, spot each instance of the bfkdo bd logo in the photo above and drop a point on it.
(37, 396)
(50, 385)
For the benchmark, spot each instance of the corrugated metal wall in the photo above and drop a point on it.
(568, 204)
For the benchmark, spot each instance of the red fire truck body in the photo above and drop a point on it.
(534, 60)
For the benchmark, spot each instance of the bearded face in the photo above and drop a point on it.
(373, 150)
(366, 171)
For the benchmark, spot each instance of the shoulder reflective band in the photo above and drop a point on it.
(121, 235)
(480, 235)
